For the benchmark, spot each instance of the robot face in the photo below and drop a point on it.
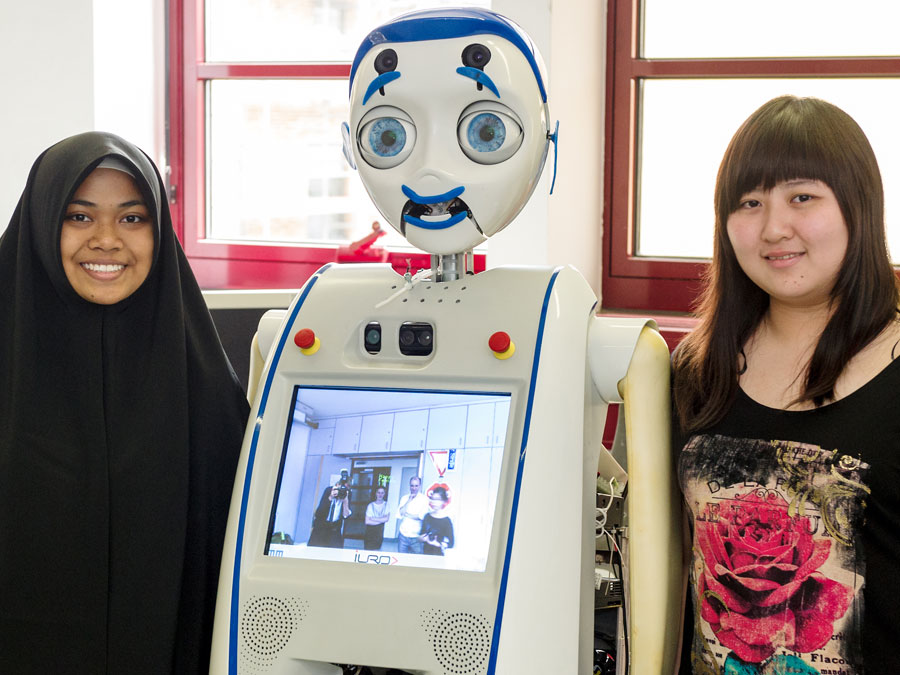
(449, 136)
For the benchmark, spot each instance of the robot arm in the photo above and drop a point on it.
(653, 553)
(266, 332)
(256, 366)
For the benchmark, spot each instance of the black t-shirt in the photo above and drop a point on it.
(438, 529)
(796, 535)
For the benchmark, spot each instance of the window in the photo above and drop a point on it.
(258, 89)
(681, 78)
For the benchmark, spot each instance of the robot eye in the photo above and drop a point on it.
(489, 133)
(476, 56)
(386, 61)
(386, 137)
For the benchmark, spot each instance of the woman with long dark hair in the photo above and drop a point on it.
(787, 430)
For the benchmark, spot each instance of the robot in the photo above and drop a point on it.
(485, 392)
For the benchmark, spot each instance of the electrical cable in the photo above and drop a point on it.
(409, 282)
(625, 656)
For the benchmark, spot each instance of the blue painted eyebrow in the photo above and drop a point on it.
(441, 23)
(379, 82)
(480, 77)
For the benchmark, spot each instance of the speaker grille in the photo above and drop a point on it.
(266, 626)
(461, 641)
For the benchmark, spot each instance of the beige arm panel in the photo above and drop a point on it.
(256, 367)
(654, 583)
(266, 333)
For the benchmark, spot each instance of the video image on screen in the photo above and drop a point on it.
(390, 477)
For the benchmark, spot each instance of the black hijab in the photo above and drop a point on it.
(120, 429)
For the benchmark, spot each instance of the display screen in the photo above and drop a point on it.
(390, 477)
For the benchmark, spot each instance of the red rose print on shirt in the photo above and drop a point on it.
(759, 588)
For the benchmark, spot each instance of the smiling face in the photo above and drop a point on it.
(790, 240)
(414, 484)
(449, 137)
(106, 241)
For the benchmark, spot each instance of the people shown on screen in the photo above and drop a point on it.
(377, 514)
(334, 508)
(411, 511)
(437, 528)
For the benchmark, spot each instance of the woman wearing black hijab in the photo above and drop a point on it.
(120, 425)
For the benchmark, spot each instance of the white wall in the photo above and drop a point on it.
(578, 94)
(564, 228)
(46, 75)
(129, 72)
(68, 66)
(525, 240)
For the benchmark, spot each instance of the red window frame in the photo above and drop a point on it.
(654, 283)
(218, 264)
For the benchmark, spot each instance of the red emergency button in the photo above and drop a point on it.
(306, 339)
(502, 345)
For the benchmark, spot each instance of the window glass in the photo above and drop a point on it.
(299, 30)
(275, 172)
(686, 126)
(275, 168)
(711, 29)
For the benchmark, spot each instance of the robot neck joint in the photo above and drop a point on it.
(453, 266)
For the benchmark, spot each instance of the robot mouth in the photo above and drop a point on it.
(437, 215)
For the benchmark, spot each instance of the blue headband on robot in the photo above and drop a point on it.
(440, 24)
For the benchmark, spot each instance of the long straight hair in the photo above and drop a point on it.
(788, 138)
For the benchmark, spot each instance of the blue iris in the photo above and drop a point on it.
(387, 137)
(486, 132)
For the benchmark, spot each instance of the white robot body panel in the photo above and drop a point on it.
(497, 419)
(278, 614)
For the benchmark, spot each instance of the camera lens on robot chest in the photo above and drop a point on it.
(416, 338)
(372, 337)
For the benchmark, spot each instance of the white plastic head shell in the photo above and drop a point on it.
(449, 134)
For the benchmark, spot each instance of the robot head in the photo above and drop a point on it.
(449, 125)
